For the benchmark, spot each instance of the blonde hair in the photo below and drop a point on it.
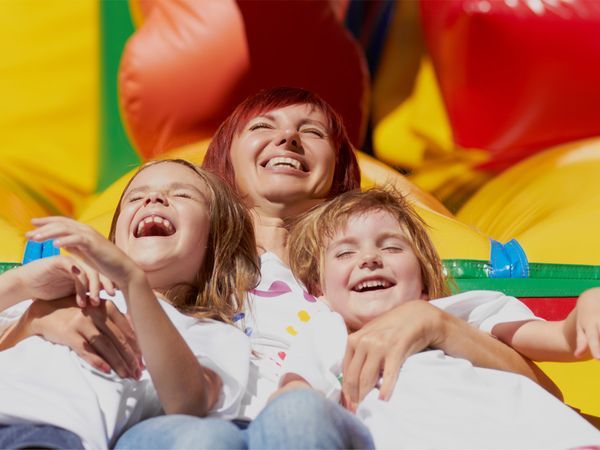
(311, 233)
(231, 264)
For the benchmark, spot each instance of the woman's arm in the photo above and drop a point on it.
(102, 336)
(383, 345)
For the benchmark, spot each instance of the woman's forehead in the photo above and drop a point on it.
(274, 110)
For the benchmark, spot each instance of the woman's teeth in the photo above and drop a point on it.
(283, 161)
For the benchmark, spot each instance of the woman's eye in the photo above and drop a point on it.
(182, 195)
(135, 198)
(314, 131)
(259, 125)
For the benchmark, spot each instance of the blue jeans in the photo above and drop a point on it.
(38, 436)
(297, 419)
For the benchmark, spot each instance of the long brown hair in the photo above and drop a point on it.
(231, 264)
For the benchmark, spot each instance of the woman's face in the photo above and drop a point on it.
(284, 156)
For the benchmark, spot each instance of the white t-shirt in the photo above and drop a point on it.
(279, 309)
(45, 383)
(445, 402)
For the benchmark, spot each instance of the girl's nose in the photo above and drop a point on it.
(290, 140)
(156, 197)
(371, 261)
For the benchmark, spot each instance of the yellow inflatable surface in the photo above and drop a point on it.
(550, 203)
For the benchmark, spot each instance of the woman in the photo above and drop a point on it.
(285, 150)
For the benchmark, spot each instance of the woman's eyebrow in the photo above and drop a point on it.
(312, 122)
(267, 116)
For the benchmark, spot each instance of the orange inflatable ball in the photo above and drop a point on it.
(190, 63)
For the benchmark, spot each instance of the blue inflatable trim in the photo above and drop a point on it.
(508, 260)
(39, 250)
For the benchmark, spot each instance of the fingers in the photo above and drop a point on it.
(371, 373)
(391, 371)
(88, 354)
(352, 372)
(124, 332)
(588, 336)
(102, 341)
(107, 284)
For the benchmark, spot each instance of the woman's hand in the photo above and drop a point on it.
(87, 244)
(60, 276)
(382, 346)
(101, 335)
(587, 323)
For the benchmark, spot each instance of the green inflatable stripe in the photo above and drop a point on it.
(528, 287)
(545, 280)
(4, 266)
(116, 156)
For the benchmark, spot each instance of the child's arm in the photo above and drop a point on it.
(168, 358)
(575, 338)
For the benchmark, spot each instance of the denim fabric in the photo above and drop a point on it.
(179, 431)
(38, 436)
(304, 419)
(298, 419)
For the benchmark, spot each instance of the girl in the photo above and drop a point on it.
(182, 255)
(367, 253)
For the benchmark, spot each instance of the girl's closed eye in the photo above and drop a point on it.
(344, 253)
(182, 194)
(134, 198)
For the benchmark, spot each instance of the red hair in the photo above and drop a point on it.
(346, 176)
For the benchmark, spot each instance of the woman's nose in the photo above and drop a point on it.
(371, 261)
(290, 140)
(156, 197)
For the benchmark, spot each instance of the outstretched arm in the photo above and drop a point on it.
(162, 351)
(575, 338)
(383, 345)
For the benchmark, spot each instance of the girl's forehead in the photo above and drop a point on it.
(166, 174)
(371, 222)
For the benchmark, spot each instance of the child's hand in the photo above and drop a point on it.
(87, 244)
(60, 276)
(588, 323)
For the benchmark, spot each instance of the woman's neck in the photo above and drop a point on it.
(271, 235)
